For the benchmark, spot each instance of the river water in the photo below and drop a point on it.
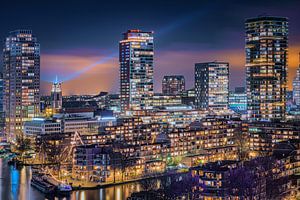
(15, 185)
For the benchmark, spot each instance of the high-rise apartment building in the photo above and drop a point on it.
(173, 85)
(266, 63)
(212, 85)
(21, 75)
(136, 70)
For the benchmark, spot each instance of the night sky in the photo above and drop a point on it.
(79, 39)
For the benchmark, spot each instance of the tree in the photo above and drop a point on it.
(148, 184)
(23, 145)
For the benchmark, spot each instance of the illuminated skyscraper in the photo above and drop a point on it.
(2, 114)
(266, 63)
(21, 75)
(212, 85)
(296, 86)
(136, 70)
(56, 96)
(172, 85)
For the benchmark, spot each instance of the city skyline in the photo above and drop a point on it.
(144, 100)
(181, 41)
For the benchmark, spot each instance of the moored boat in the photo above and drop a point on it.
(60, 188)
(41, 185)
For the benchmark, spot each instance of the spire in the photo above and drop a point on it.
(56, 85)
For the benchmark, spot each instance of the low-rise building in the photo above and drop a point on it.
(161, 100)
(263, 136)
(92, 163)
(268, 177)
(66, 123)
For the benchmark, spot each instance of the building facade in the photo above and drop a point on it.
(173, 85)
(238, 100)
(263, 136)
(62, 123)
(271, 177)
(21, 75)
(212, 85)
(136, 70)
(160, 100)
(188, 97)
(296, 86)
(56, 96)
(266, 63)
(2, 114)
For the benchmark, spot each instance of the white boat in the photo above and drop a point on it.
(64, 188)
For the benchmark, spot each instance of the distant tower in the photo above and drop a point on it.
(296, 86)
(56, 95)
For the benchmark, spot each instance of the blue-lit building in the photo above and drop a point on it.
(238, 100)
(2, 115)
(296, 87)
(290, 104)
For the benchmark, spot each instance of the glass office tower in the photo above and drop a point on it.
(21, 76)
(266, 63)
(136, 70)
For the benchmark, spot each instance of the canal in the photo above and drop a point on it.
(15, 185)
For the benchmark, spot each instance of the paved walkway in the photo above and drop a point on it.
(78, 185)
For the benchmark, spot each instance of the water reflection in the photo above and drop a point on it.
(119, 192)
(15, 185)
